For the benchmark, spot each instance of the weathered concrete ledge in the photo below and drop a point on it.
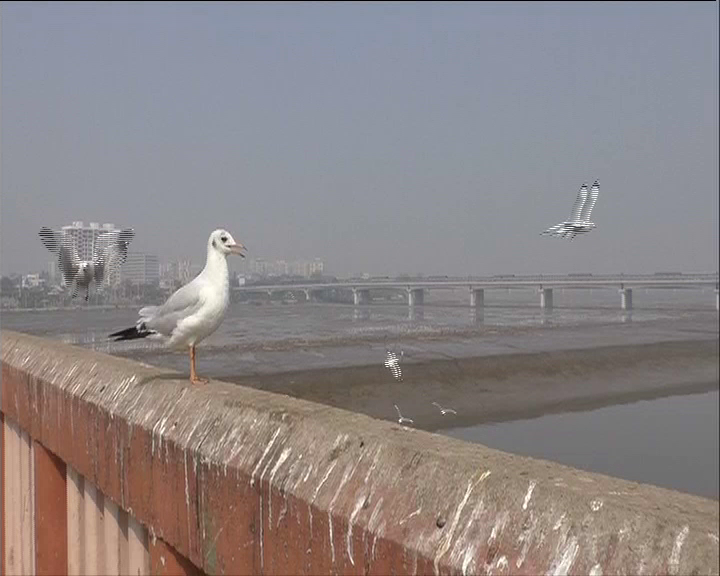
(244, 481)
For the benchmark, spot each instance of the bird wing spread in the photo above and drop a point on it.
(579, 203)
(63, 245)
(590, 203)
(110, 252)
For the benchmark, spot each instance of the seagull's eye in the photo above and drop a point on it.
(223, 238)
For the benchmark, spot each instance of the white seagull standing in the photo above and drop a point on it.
(109, 253)
(194, 311)
(579, 221)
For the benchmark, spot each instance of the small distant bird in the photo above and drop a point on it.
(401, 418)
(392, 363)
(109, 253)
(194, 311)
(444, 411)
(579, 221)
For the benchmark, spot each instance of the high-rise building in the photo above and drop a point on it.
(179, 270)
(31, 280)
(316, 266)
(140, 268)
(280, 268)
(304, 268)
(53, 272)
(84, 236)
(259, 266)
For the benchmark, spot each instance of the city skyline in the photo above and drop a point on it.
(84, 236)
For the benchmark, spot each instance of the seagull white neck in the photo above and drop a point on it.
(216, 265)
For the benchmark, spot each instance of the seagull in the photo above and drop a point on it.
(109, 253)
(194, 311)
(579, 221)
(401, 418)
(444, 411)
(392, 363)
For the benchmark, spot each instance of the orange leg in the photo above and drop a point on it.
(194, 378)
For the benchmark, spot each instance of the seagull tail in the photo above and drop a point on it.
(132, 333)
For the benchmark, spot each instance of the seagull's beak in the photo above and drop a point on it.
(237, 249)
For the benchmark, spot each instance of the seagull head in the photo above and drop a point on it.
(222, 241)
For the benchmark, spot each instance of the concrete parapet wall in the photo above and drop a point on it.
(238, 481)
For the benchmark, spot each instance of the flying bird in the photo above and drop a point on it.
(109, 253)
(401, 418)
(579, 221)
(444, 411)
(392, 363)
(195, 310)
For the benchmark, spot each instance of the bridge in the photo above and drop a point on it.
(416, 288)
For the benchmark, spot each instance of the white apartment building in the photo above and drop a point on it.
(317, 266)
(31, 280)
(84, 236)
(307, 268)
(178, 270)
(54, 272)
(141, 268)
(304, 268)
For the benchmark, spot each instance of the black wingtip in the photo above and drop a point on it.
(47, 237)
(127, 234)
(131, 333)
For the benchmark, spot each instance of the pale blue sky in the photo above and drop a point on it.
(381, 137)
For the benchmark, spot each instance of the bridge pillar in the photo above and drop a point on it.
(477, 297)
(546, 298)
(416, 296)
(361, 296)
(626, 298)
(416, 313)
(477, 315)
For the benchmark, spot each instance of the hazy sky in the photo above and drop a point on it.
(381, 137)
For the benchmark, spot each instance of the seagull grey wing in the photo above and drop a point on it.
(553, 229)
(68, 259)
(590, 204)
(579, 203)
(110, 253)
(183, 303)
(101, 255)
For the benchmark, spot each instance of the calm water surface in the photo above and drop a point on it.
(669, 442)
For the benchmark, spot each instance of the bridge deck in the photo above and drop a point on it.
(648, 281)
